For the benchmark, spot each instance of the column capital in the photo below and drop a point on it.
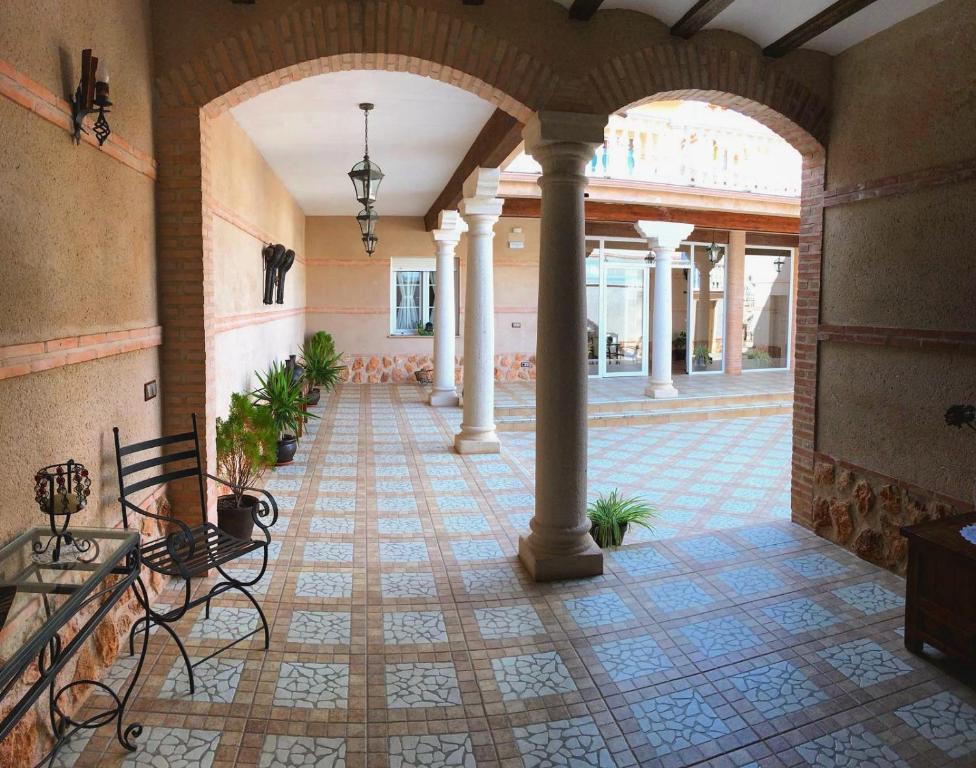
(664, 234)
(479, 193)
(545, 129)
(450, 227)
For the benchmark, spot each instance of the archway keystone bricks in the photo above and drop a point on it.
(317, 37)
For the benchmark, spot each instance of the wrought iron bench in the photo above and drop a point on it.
(186, 552)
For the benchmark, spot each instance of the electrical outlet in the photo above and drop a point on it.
(516, 325)
(526, 364)
(149, 390)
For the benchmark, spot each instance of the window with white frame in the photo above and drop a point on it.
(412, 295)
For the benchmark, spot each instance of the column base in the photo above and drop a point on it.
(661, 391)
(483, 442)
(548, 567)
(444, 398)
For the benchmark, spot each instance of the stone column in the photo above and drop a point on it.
(703, 307)
(663, 238)
(446, 237)
(481, 209)
(559, 545)
(735, 266)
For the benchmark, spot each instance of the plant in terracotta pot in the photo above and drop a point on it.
(322, 365)
(247, 446)
(281, 395)
(611, 516)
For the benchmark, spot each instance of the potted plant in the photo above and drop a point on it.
(757, 357)
(678, 347)
(281, 395)
(701, 358)
(611, 515)
(321, 365)
(247, 446)
(425, 329)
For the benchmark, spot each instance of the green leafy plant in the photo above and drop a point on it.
(322, 364)
(282, 398)
(247, 444)
(760, 355)
(610, 516)
(681, 340)
(424, 330)
(701, 355)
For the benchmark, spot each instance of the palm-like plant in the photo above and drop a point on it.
(282, 397)
(611, 515)
(246, 444)
(321, 361)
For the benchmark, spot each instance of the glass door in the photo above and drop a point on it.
(706, 313)
(593, 365)
(624, 329)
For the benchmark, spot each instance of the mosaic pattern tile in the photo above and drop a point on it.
(678, 720)
(509, 621)
(324, 585)
(215, 681)
(575, 743)
(225, 623)
(765, 536)
(302, 752)
(514, 500)
(174, 748)
(455, 503)
(327, 552)
(864, 662)
(466, 524)
(337, 486)
(452, 750)
(488, 581)
(396, 504)
(408, 584)
(815, 566)
(945, 720)
(800, 615)
(531, 675)
(679, 595)
(720, 636)
(319, 627)
(853, 747)
(632, 657)
(870, 598)
(288, 485)
(640, 561)
(778, 689)
(448, 485)
(476, 549)
(332, 525)
(308, 685)
(412, 627)
(427, 684)
(388, 526)
(598, 610)
(751, 580)
(707, 549)
(403, 552)
(335, 504)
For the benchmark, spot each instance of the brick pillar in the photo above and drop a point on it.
(186, 299)
(735, 264)
(805, 338)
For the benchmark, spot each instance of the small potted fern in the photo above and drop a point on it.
(321, 364)
(246, 448)
(611, 516)
(281, 395)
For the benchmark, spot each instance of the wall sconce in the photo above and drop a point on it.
(91, 96)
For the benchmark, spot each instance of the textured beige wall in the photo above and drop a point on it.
(242, 182)
(349, 293)
(77, 254)
(903, 102)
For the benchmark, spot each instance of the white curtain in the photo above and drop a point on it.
(408, 301)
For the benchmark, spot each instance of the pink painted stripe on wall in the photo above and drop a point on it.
(925, 178)
(22, 90)
(231, 322)
(233, 218)
(24, 359)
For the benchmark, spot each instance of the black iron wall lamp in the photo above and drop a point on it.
(277, 261)
(91, 96)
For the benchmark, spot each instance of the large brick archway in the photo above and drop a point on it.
(426, 38)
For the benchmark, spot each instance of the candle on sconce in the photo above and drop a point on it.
(101, 72)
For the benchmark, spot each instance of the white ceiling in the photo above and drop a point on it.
(765, 21)
(311, 134)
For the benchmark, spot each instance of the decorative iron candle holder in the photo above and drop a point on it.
(91, 97)
(61, 490)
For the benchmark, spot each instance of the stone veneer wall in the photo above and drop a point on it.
(398, 369)
(864, 511)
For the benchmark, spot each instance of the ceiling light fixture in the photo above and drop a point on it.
(714, 251)
(779, 261)
(366, 177)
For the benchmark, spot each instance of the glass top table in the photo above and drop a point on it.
(44, 584)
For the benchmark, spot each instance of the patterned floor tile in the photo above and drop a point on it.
(800, 615)
(870, 598)
(451, 750)
(224, 624)
(720, 636)
(575, 743)
(327, 552)
(864, 662)
(853, 747)
(323, 585)
(632, 657)
(307, 685)
(466, 524)
(678, 720)
(640, 561)
(335, 504)
(531, 675)
(302, 752)
(778, 689)
(403, 552)
(476, 549)
(337, 525)
(389, 526)
(408, 584)
(455, 503)
(707, 549)
(815, 566)
(396, 504)
(319, 627)
(598, 610)
(945, 720)
(509, 621)
(413, 627)
(168, 747)
(426, 684)
(679, 595)
(215, 681)
(489, 581)
(751, 580)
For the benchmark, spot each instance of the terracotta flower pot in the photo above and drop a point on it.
(235, 519)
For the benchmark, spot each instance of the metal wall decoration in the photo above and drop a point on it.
(277, 261)
(91, 96)
(61, 490)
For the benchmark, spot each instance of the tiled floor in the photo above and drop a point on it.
(404, 632)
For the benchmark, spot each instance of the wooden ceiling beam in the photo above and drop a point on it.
(827, 18)
(499, 137)
(583, 10)
(698, 16)
(630, 213)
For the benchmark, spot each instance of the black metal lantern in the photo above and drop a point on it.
(779, 261)
(369, 243)
(366, 175)
(367, 219)
(91, 96)
(715, 253)
(61, 490)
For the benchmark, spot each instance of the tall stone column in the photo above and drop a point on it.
(735, 267)
(446, 238)
(559, 545)
(703, 307)
(481, 209)
(663, 237)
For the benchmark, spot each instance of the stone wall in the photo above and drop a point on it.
(399, 369)
(863, 511)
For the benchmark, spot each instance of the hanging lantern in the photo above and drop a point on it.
(366, 175)
(367, 219)
(779, 261)
(369, 243)
(715, 253)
